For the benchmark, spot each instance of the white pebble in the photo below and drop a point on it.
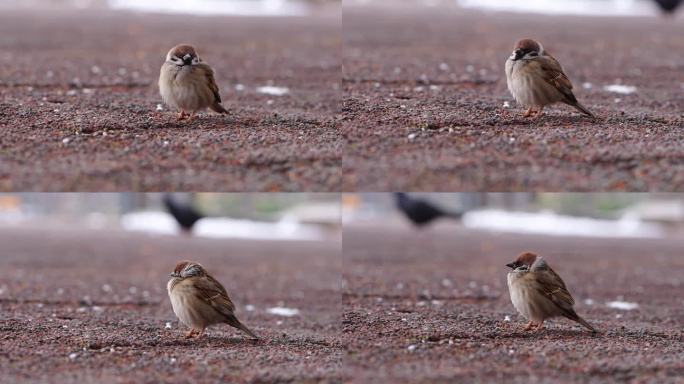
(168, 325)
(249, 307)
(411, 136)
(444, 67)
(73, 356)
(411, 348)
(107, 288)
(160, 107)
(507, 318)
(239, 87)
(65, 140)
(506, 104)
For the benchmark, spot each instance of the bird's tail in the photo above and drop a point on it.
(217, 107)
(582, 109)
(234, 322)
(585, 324)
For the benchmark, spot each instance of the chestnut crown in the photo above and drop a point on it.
(525, 259)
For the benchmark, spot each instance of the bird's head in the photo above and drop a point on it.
(182, 55)
(526, 49)
(523, 262)
(185, 269)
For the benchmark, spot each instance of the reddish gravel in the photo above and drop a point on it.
(425, 89)
(78, 102)
(78, 307)
(433, 306)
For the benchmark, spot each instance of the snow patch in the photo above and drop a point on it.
(622, 305)
(550, 223)
(620, 88)
(282, 311)
(271, 90)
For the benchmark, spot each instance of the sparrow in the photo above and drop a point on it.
(536, 79)
(186, 83)
(538, 293)
(199, 300)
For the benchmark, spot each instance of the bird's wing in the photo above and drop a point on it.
(553, 287)
(552, 73)
(213, 293)
(211, 82)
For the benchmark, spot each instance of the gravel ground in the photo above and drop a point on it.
(424, 95)
(433, 305)
(78, 307)
(78, 103)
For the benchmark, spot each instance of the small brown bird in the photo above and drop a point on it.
(538, 293)
(187, 84)
(200, 301)
(536, 79)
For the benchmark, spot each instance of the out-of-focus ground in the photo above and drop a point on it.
(79, 102)
(424, 95)
(82, 306)
(433, 306)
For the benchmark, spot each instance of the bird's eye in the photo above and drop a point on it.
(533, 54)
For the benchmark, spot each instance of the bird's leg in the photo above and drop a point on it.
(528, 113)
(539, 326)
(201, 333)
(181, 115)
(539, 112)
(192, 116)
(529, 326)
(190, 333)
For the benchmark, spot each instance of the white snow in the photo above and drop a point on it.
(215, 7)
(550, 223)
(288, 228)
(282, 311)
(622, 305)
(620, 88)
(575, 7)
(273, 90)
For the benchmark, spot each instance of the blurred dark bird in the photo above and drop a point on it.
(668, 6)
(422, 212)
(184, 213)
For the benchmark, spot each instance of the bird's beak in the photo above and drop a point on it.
(511, 265)
(187, 59)
(518, 54)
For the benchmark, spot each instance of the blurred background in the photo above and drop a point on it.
(259, 216)
(199, 7)
(576, 7)
(570, 214)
